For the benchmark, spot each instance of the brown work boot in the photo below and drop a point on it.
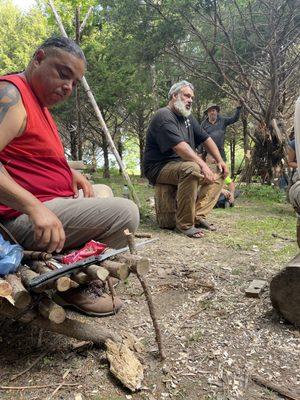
(90, 299)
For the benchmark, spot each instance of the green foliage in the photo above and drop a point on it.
(20, 33)
(264, 193)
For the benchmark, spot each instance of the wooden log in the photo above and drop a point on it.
(21, 297)
(61, 284)
(165, 205)
(285, 291)
(119, 270)
(96, 272)
(9, 311)
(36, 255)
(52, 311)
(81, 278)
(130, 241)
(135, 263)
(5, 288)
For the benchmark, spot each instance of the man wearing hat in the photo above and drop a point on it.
(214, 124)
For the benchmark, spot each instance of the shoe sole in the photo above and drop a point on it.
(63, 303)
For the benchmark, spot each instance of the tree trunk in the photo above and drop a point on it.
(106, 173)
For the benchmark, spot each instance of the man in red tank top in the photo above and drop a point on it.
(39, 201)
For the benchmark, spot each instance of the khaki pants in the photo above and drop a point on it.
(101, 218)
(195, 198)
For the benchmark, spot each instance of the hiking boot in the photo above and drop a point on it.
(90, 299)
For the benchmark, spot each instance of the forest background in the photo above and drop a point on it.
(231, 50)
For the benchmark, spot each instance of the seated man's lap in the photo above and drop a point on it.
(174, 171)
(84, 219)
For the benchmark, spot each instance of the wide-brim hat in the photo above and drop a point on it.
(212, 105)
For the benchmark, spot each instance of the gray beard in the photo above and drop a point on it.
(181, 109)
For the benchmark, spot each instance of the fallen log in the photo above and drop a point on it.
(20, 295)
(285, 291)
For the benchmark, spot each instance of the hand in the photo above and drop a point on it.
(222, 167)
(80, 182)
(231, 198)
(226, 193)
(209, 176)
(49, 233)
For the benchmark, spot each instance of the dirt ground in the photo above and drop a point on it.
(215, 337)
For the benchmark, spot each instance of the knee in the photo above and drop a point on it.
(190, 170)
(130, 215)
(102, 191)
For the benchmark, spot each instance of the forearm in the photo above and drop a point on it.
(212, 148)
(184, 151)
(14, 196)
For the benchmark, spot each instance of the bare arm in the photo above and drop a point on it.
(49, 233)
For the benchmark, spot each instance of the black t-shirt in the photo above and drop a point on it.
(165, 131)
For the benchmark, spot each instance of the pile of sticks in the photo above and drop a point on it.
(16, 300)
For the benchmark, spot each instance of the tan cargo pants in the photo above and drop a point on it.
(101, 218)
(195, 197)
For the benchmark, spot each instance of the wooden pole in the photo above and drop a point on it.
(99, 116)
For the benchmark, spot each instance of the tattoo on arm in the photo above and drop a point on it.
(9, 97)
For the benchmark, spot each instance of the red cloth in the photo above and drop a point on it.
(36, 159)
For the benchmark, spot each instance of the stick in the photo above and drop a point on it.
(60, 385)
(36, 386)
(282, 237)
(99, 116)
(142, 279)
(276, 388)
(37, 360)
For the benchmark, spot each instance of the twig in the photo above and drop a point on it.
(282, 237)
(276, 388)
(60, 385)
(37, 360)
(152, 314)
(143, 235)
(37, 386)
(112, 293)
(142, 279)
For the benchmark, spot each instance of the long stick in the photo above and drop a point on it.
(99, 116)
(276, 388)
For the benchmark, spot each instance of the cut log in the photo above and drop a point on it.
(96, 272)
(9, 311)
(81, 278)
(135, 263)
(130, 241)
(21, 297)
(119, 270)
(61, 284)
(165, 205)
(52, 311)
(36, 255)
(5, 288)
(285, 291)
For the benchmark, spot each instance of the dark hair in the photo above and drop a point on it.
(64, 44)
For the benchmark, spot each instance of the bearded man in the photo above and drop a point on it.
(170, 158)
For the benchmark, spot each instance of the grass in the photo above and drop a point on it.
(260, 212)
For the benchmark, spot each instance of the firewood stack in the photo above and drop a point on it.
(16, 300)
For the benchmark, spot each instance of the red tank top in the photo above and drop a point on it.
(36, 159)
